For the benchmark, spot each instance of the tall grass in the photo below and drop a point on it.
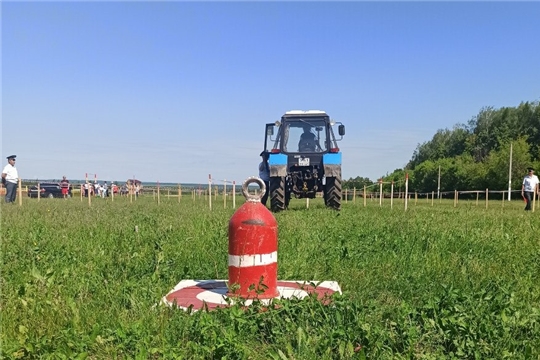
(432, 282)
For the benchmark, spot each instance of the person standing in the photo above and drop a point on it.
(105, 190)
(10, 179)
(529, 187)
(264, 175)
(64, 185)
(97, 189)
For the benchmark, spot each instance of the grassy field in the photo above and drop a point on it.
(432, 282)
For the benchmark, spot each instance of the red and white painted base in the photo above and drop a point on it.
(213, 293)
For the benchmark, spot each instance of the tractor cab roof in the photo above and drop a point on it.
(305, 113)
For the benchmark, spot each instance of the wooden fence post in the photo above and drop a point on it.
(432, 197)
(225, 194)
(380, 192)
(392, 195)
(19, 190)
(487, 192)
(210, 191)
(90, 186)
(406, 190)
(365, 196)
(234, 194)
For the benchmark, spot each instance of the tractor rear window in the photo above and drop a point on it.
(305, 136)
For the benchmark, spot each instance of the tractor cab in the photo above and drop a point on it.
(302, 132)
(303, 153)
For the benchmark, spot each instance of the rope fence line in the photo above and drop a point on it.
(228, 190)
(430, 196)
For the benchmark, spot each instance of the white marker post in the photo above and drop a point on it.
(234, 194)
(365, 196)
(406, 190)
(88, 193)
(210, 191)
(224, 193)
(19, 190)
(392, 195)
(380, 192)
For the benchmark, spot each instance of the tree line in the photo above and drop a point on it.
(474, 155)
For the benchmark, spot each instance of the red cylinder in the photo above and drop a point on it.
(253, 252)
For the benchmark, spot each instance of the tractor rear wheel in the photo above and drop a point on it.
(332, 193)
(277, 193)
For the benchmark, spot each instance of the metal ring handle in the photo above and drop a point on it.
(247, 195)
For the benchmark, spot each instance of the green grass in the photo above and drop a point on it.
(432, 282)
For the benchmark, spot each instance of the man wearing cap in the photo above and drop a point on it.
(529, 187)
(10, 179)
(264, 175)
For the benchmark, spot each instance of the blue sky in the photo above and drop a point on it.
(173, 91)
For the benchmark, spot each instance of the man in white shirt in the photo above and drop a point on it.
(529, 187)
(10, 179)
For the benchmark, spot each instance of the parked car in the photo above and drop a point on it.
(49, 190)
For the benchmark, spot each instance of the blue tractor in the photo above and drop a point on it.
(304, 158)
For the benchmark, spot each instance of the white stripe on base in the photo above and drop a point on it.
(252, 260)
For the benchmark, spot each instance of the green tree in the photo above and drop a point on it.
(498, 163)
(358, 182)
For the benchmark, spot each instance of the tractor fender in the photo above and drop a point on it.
(278, 170)
(278, 165)
(332, 170)
(332, 165)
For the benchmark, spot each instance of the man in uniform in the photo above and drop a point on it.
(10, 179)
(264, 175)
